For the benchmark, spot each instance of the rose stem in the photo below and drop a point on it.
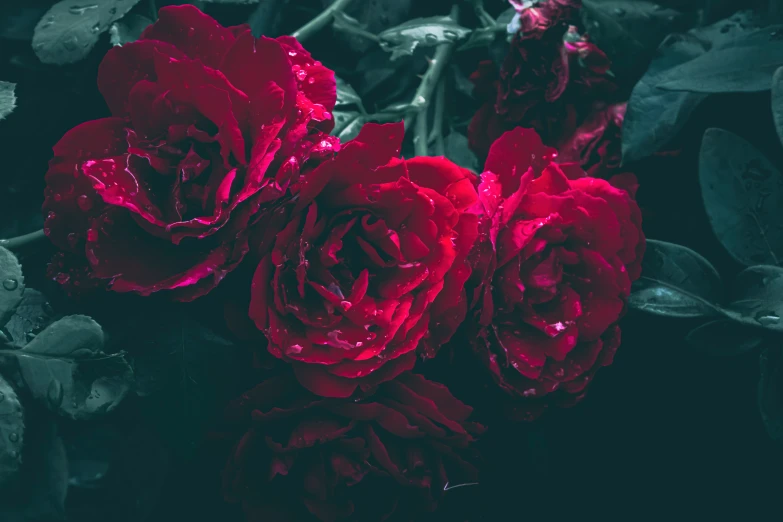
(429, 81)
(320, 21)
(436, 134)
(420, 145)
(484, 17)
(16, 243)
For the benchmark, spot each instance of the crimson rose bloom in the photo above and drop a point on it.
(387, 456)
(551, 79)
(370, 266)
(208, 125)
(553, 268)
(596, 145)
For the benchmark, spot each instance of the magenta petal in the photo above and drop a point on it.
(124, 66)
(93, 139)
(513, 154)
(252, 63)
(317, 82)
(196, 34)
(119, 183)
(137, 262)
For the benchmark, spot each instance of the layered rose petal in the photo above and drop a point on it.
(391, 453)
(552, 271)
(207, 137)
(370, 268)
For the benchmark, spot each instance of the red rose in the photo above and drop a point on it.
(386, 456)
(596, 144)
(554, 264)
(208, 125)
(370, 266)
(549, 81)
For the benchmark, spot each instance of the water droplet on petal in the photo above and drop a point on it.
(13, 437)
(10, 284)
(294, 349)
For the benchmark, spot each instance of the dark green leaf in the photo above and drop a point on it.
(11, 433)
(676, 282)
(743, 196)
(655, 116)
(724, 337)
(187, 373)
(43, 478)
(128, 29)
(68, 31)
(346, 95)
(777, 101)
(65, 368)
(347, 124)
(457, 150)
(481, 37)
(12, 283)
(629, 31)
(7, 98)
(746, 66)
(426, 32)
(770, 393)
(31, 316)
(757, 296)
(344, 21)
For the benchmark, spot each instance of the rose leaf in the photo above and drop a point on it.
(68, 31)
(186, 373)
(43, 480)
(425, 32)
(757, 297)
(347, 124)
(32, 315)
(11, 432)
(770, 392)
(743, 195)
(655, 116)
(457, 150)
(66, 368)
(676, 282)
(777, 101)
(7, 98)
(12, 283)
(723, 337)
(746, 66)
(347, 96)
(128, 29)
(629, 31)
